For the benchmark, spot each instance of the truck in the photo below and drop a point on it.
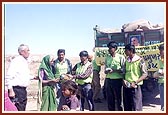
(149, 41)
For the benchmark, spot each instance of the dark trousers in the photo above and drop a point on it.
(96, 85)
(86, 92)
(161, 90)
(132, 98)
(113, 93)
(21, 94)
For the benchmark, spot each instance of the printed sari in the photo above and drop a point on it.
(46, 92)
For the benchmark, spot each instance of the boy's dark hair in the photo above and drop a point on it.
(71, 86)
(83, 53)
(112, 44)
(161, 47)
(130, 48)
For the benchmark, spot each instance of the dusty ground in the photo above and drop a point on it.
(150, 100)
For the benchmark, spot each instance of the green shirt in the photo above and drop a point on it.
(115, 63)
(133, 71)
(95, 66)
(161, 80)
(135, 68)
(80, 70)
(61, 68)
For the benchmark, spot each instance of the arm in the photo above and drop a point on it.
(159, 74)
(143, 70)
(86, 74)
(44, 78)
(143, 76)
(122, 65)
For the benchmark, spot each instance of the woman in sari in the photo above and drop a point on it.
(47, 81)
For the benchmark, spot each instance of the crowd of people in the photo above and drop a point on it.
(62, 87)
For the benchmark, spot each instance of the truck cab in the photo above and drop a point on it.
(145, 37)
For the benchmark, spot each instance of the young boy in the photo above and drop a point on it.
(69, 90)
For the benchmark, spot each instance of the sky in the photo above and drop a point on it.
(47, 27)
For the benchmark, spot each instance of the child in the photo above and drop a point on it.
(69, 90)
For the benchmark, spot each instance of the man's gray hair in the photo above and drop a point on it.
(22, 47)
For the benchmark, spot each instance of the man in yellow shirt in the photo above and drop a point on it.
(135, 73)
(83, 75)
(61, 66)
